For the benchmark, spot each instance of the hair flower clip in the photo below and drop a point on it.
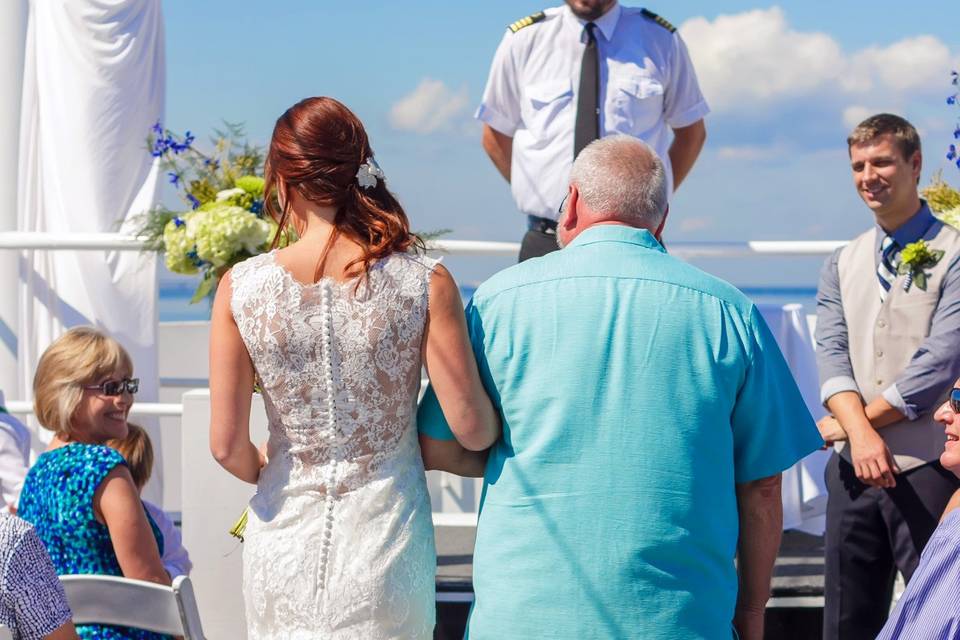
(368, 173)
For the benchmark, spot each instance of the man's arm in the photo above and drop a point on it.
(500, 149)
(761, 527)
(452, 457)
(936, 364)
(850, 420)
(684, 150)
(872, 460)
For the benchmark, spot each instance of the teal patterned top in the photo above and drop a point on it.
(57, 499)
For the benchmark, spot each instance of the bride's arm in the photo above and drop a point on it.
(231, 383)
(452, 368)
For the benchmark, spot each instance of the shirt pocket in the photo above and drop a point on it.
(543, 104)
(636, 104)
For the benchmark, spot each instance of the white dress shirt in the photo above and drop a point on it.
(175, 558)
(14, 458)
(647, 87)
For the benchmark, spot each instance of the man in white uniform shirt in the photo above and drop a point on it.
(568, 75)
(14, 458)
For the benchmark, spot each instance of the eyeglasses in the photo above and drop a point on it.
(116, 387)
(562, 202)
(955, 400)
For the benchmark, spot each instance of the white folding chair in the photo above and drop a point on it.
(5, 633)
(96, 599)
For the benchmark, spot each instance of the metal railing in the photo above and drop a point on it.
(24, 240)
(39, 241)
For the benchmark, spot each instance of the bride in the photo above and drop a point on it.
(335, 329)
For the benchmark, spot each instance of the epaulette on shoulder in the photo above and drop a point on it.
(526, 22)
(660, 21)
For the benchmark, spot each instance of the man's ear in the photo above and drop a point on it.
(571, 216)
(662, 224)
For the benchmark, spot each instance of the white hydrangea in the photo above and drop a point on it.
(223, 231)
(226, 194)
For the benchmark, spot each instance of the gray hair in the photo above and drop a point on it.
(622, 177)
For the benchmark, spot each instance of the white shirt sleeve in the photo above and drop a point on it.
(14, 459)
(500, 106)
(175, 558)
(683, 102)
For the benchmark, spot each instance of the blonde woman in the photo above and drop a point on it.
(80, 496)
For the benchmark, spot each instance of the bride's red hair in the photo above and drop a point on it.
(317, 148)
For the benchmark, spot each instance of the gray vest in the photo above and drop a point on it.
(884, 337)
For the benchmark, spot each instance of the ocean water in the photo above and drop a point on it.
(175, 299)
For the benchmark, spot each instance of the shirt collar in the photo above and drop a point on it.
(607, 23)
(914, 228)
(617, 233)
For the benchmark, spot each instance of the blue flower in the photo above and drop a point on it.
(952, 99)
(257, 207)
(178, 222)
(956, 78)
(160, 146)
(157, 128)
(174, 178)
(952, 152)
(956, 133)
(193, 201)
(195, 259)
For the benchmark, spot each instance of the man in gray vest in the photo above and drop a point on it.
(888, 350)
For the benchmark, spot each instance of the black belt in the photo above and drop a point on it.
(543, 225)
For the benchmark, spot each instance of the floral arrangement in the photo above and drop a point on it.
(223, 222)
(914, 259)
(944, 200)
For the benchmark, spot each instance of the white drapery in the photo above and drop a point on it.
(94, 83)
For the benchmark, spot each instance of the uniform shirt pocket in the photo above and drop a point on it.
(637, 104)
(542, 103)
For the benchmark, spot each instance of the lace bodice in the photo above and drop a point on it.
(339, 367)
(338, 362)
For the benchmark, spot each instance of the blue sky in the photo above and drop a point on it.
(785, 81)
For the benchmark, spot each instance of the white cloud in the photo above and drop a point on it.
(432, 106)
(749, 152)
(695, 224)
(855, 114)
(755, 58)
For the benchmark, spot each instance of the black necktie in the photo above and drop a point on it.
(587, 128)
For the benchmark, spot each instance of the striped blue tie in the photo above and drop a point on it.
(886, 269)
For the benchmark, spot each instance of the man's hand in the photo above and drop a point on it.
(749, 622)
(831, 431)
(872, 460)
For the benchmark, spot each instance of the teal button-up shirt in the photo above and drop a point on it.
(636, 391)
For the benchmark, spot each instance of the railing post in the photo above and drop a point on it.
(13, 33)
(212, 502)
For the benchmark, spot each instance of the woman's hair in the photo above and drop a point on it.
(79, 357)
(137, 450)
(317, 148)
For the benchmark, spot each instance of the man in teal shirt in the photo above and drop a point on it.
(647, 414)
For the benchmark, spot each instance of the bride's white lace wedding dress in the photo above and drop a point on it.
(339, 542)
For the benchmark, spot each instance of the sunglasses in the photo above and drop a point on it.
(955, 400)
(116, 387)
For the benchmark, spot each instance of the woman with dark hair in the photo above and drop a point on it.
(335, 328)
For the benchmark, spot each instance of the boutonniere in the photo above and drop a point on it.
(914, 258)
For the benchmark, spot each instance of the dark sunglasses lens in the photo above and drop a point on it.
(955, 400)
(111, 387)
(116, 387)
